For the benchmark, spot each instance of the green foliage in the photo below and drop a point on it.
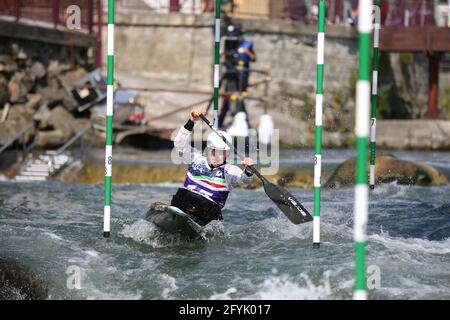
(338, 98)
(307, 110)
(445, 104)
(352, 84)
(406, 58)
(383, 103)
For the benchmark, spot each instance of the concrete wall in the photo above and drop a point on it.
(171, 47)
(179, 48)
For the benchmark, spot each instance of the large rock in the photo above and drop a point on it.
(388, 169)
(63, 123)
(4, 91)
(18, 117)
(54, 96)
(18, 283)
(7, 64)
(56, 68)
(33, 103)
(42, 117)
(38, 70)
(18, 88)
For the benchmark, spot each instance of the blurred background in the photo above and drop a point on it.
(53, 75)
(53, 72)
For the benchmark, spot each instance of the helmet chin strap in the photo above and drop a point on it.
(215, 166)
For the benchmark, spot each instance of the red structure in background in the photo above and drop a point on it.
(99, 34)
(55, 12)
(409, 25)
(174, 5)
(393, 13)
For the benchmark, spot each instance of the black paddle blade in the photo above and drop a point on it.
(290, 206)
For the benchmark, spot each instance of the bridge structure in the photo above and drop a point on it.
(432, 41)
(46, 21)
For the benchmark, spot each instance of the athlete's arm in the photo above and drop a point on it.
(235, 176)
(182, 141)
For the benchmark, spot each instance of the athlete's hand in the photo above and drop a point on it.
(247, 162)
(196, 112)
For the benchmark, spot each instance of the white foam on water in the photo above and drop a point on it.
(412, 244)
(225, 295)
(53, 236)
(91, 253)
(391, 189)
(169, 283)
(285, 230)
(89, 270)
(215, 229)
(146, 232)
(411, 288)
(284, 287)
(96, 294)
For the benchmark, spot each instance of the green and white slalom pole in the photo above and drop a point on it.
(319, 111)
(109, 120)
(373, 122)
(362, 132)
(216, 64)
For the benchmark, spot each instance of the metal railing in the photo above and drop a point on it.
(72, 140)
(393, 12)
(17, 136)
(60, 150)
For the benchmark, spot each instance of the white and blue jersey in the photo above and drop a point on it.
(245, 44)
(212, 183)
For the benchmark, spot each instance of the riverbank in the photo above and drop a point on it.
(292, 168)
(295, 167)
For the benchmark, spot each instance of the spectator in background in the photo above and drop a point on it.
(314, 13)
(207, 6)
(295, 10)
(384, 8)
(335, 11)
(352, 15)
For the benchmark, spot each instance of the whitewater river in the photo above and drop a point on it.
(55, 230)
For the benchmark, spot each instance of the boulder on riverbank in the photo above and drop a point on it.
(27, 87)
(389, 169)
(60, 126)
(18, 117)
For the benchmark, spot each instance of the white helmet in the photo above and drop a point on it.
(216, 142)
